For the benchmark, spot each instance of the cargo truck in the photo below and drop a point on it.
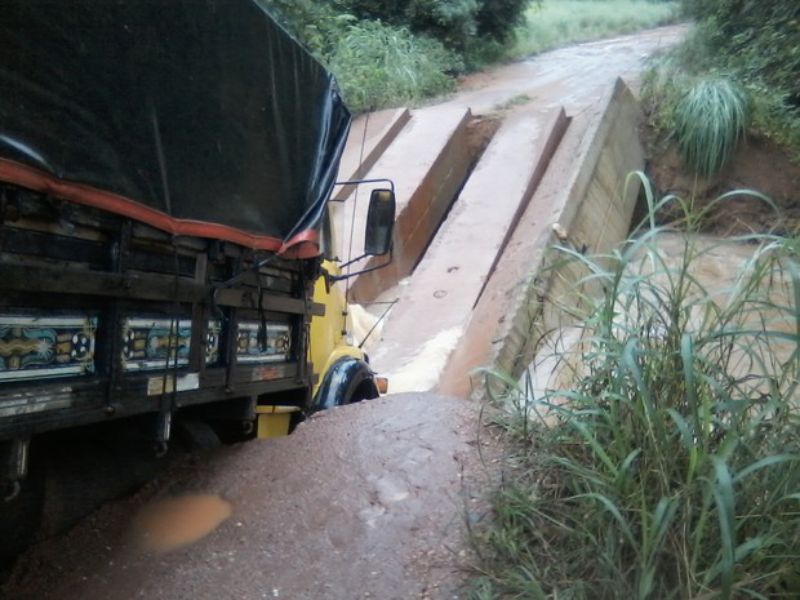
(165, 169)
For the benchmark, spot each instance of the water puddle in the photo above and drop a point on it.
(167, 525)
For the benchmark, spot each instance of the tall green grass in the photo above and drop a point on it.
(761, 61)
(710, 120)
(378, 65)
(670, 468)
(556, 23)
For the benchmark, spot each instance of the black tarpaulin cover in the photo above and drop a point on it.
(199, 117)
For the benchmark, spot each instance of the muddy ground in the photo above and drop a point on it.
(378, 511)
(759, 164)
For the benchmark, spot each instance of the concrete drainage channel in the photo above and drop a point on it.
(470, 278)
(428, 160)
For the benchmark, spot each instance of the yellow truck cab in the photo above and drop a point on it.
(344, 374)
(341, 370)
(342, 367)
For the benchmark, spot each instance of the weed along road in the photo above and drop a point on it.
(362, 501)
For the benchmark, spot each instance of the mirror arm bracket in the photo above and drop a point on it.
(355, 260)
(369, 270)
(360, 181)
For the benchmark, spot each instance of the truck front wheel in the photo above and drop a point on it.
(347, 381)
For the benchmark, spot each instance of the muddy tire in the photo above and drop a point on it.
(197, 435)
(348, 381)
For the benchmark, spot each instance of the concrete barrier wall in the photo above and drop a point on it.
(582, 204)
(429, 161)
(436, 304)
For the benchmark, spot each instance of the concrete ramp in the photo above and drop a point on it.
(370, 136)
(428, 161)
(581, 203)
(435, 305)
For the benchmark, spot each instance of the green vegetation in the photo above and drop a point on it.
(562, 22)
(517, 100)
(389, 65)
(458, 23)
(755, 45)
(392, 52)
(671, 468)
(709, 122)
(378, 59)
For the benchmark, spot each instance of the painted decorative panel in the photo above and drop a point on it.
(250, 350)
(149, 344)
(33, 347)
(213, 334)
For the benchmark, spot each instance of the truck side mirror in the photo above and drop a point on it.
(380, 223)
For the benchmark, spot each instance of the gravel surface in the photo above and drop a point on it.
(362, 501)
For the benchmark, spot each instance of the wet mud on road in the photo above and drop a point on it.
(363, 501)
(572, 77)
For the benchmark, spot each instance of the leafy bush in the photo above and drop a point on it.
(315, 24)
(456, 22)
(375, 63)
(380, 65)
(452, 21)
(755, 43)
(671, 468)
(760, 39)
(497, 18)
(710, 120)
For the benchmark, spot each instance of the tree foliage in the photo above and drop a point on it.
(456, 22)
(760, 39)
(755, 44)
(377, 61)
(315, 24)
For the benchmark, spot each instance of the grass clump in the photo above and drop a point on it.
(670, 467)
(376, 63)
(710, 120)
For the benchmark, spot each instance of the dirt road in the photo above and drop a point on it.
(376, 511)
(572, 77)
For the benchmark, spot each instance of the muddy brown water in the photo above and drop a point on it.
(167, 525)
